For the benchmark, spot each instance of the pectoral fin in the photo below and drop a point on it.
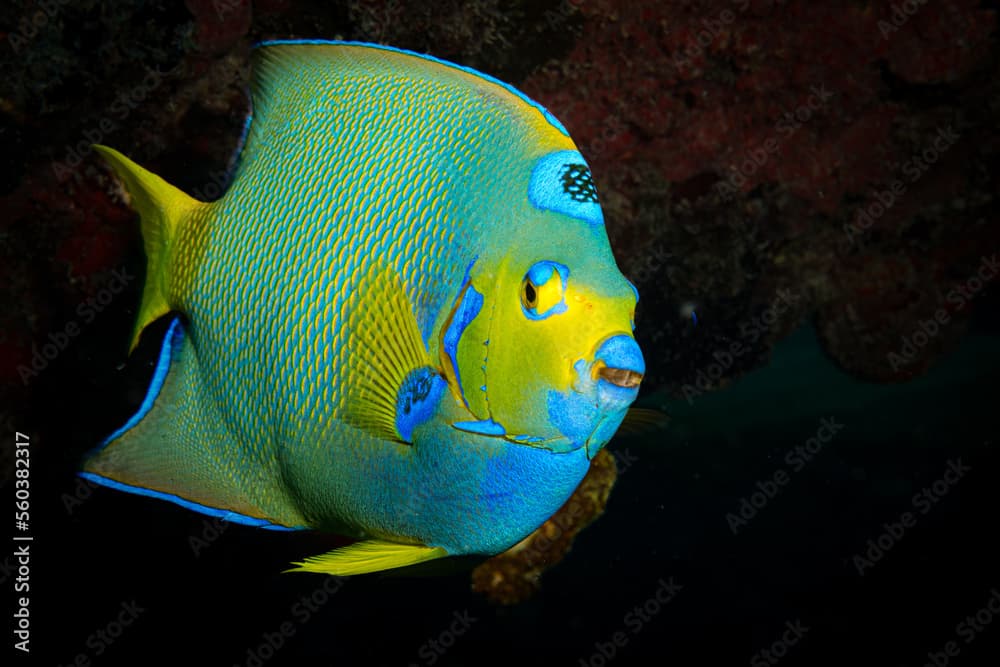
(368, 556)
(642, 421)
(394, 386)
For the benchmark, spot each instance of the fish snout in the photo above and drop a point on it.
(618, 369)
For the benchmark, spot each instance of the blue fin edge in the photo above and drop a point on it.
(553, 121)
(171, 342)
(237, 156)
(226, 515)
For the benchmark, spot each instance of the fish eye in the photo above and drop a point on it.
(543, 290)
(529, 296)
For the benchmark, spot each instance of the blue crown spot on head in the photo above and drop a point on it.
(577, 183)
(561, 182)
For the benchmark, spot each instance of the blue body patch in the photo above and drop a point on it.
(574, 414)
(417, 400)
(482, 427)
(553, 121)
(561, 182)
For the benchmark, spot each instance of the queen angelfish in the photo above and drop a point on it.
(402, 322)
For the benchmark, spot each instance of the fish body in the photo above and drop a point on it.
(402, 322)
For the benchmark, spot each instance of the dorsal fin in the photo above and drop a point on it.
(272, 59)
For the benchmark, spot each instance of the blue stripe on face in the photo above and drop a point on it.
(482, 427)
(465, 312)
(527, 439)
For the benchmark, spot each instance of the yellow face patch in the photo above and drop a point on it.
(545, 327)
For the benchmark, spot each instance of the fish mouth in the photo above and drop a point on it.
(618, 362)
(620, 377)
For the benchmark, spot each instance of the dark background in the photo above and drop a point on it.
(777, 230)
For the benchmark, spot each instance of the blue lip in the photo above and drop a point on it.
(623, 352)
(610, 394)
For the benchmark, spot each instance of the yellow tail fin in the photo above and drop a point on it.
(163, 209)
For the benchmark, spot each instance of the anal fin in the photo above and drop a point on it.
(368, 556)
(178, 448)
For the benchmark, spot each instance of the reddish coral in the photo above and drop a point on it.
(706, 87)
(219, 24)
(774, 107)
(938, 42)
(881, 305)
